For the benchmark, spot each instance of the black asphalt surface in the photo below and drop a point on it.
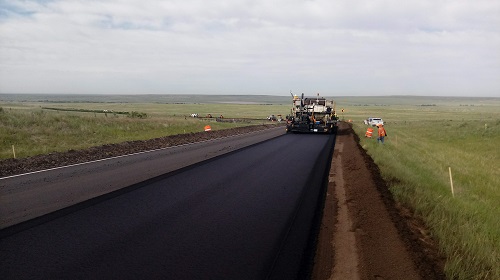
(244, 215)
(27, 196)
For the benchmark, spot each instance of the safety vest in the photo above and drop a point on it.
(381, 132)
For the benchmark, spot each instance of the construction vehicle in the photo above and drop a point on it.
(272, 118)
(312, 115)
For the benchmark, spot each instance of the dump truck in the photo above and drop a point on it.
(312, 115)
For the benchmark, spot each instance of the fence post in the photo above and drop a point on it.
(451, 183)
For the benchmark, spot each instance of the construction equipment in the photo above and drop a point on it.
(312, 115)
(272, 118)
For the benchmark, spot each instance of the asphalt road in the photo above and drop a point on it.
(27, 196)
(244, 215)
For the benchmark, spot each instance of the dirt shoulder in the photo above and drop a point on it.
(364, 234)
(10, 167)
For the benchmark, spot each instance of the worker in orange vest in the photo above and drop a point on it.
(381, 133)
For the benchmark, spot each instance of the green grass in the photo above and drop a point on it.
(423, 143)
(34, 131)
(258, 111)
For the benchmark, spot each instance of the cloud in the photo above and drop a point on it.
(251, 47)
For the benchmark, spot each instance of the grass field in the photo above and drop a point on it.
(33, 130)
(427, 136)
(423, 143)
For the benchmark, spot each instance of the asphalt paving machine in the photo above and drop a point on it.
(312, 115)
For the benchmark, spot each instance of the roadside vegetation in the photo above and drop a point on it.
(28, 129)
(423, 143)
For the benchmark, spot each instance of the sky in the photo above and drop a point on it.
(342, 47)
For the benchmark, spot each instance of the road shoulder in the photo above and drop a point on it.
(363, 234)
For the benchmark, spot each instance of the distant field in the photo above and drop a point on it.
(165, 110)
(151, 98)
(423, 143)
(33, 130)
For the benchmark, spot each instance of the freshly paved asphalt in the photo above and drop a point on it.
(27, 196)
(244, 215)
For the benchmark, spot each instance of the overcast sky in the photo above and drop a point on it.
(342, 47)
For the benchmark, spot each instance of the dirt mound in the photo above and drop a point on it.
(18, 166)
(364, 233)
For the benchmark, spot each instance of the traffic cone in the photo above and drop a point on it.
(207, 128)
(369, 132)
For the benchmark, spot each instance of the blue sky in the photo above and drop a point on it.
(345, 47)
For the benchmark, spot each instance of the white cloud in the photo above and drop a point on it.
(261, 47)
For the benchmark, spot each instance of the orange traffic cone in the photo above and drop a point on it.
(207, 128)
(369, 132)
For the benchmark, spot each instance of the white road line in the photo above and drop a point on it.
(138, 153)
